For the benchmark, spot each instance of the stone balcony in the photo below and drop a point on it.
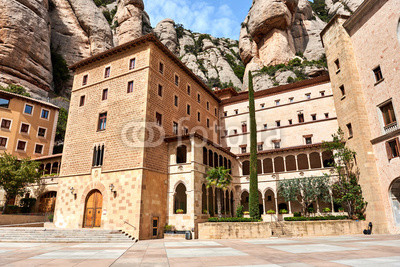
(391, 127)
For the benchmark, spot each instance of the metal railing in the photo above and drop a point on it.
(390, 127)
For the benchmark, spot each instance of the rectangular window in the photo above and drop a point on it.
(107, 72)
(155, 226)
(3, 142)
(198, 116)
(342, 90)
(132, 63)
(378, 74)
(188, 109)
(349, 129)
(277, 102)
(188, 89)
(102, 121)
(130, 87)
(208, 105)
(308, 96)
(392, 148)
(388, 114)
(38, 149)
(82, 101)
(314, 117)
(175, 127)
(215, 112)
(98, 155)
(21, 145)
(24, 128)
(4, 103)
(326, 115)
(176, 80)
(161, 68)
(176, 101)
(265, 126)
(260, 147)
(41, 132)
(235, 131)
(244, 127)
(337, 65)
(105, 94)
(301, 117)
(225, 113)
(278, 123)
(236, 111)
(290, 122)
(185, 130)
(158, 119)
(243, 149)
(277, 144)
(208, 123)
(6, 124)
(28, 109)
(291, 99)
(160, 90)
(308, 140)
(45, 114)
(85, 79)
(198, 98)
(262, 105)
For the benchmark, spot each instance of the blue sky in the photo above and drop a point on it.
(216, 17)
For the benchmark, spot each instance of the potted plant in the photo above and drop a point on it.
(246, 214)
(271, 212)
(179, 211)
(205, 211)
(50, 217)
(326, 210)
(283, 211)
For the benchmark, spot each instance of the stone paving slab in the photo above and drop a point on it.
(311, 248)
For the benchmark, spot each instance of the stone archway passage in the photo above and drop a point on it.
(395, 199)
(93, 209)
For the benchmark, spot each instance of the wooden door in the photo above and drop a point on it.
(93, 209)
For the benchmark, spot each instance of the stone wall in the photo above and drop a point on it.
(7, 219)
(264, 230)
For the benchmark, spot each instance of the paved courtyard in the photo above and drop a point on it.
(317, 251)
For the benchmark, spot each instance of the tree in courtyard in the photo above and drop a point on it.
(16, 175)
(253, 195)
(305, 190)
(220, 178)
(346, 188)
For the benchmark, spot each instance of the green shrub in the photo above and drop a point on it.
(316, 218)
(233, 219)
(205, 211)
(50, 217)
(179, 211)
(60, 71)
(310, 210)
(16, 89)
(327, 210)
(239, 211)
(283, 211)
(290, 79)
(12, 209)
(167, 228)
(27, 204)
(296, 214)
(271, 212)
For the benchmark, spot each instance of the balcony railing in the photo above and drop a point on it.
(390, 127)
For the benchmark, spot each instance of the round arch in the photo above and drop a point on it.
(394, 195)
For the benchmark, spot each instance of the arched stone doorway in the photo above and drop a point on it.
(180, 198)
(244, 200)
(93, 209)
(394, 194)
(47, 202)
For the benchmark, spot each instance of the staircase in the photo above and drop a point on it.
(279, 229)
(35, 234)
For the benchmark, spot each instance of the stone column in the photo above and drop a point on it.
(297, 164)
(308, 160)
(322, 161)
(290, 207)
(284, 163)
(273, 165)
(333, 207)
(208, 201)
(276, 204)
(263, 200)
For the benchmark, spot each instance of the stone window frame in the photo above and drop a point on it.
(29, 128)
(156, 119)
(82, 100)
(337, 65)
(176, 101)
(48, 116)
(85, 79)
(134, 63)
(1, 123)
(308, 136)
(160, 86)
(38, 144)
(104, 94)
(33, 109)
(161, 67)
(177, 79)
(4, 147)
(349, 130)
(19, 150)
(107, 71)
(188, 89)
(45, 132)
(378, 74)
(188, 110)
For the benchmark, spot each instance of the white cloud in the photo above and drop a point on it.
(197, 16)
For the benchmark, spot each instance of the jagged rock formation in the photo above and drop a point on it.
(343, 7)
(215, 60)
(132, 21)
(25, 44)
(274, 32)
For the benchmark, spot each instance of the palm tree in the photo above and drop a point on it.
(220, 178)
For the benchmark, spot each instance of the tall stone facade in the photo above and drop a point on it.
(364, 74)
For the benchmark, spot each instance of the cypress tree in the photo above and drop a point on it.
(253, 195)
